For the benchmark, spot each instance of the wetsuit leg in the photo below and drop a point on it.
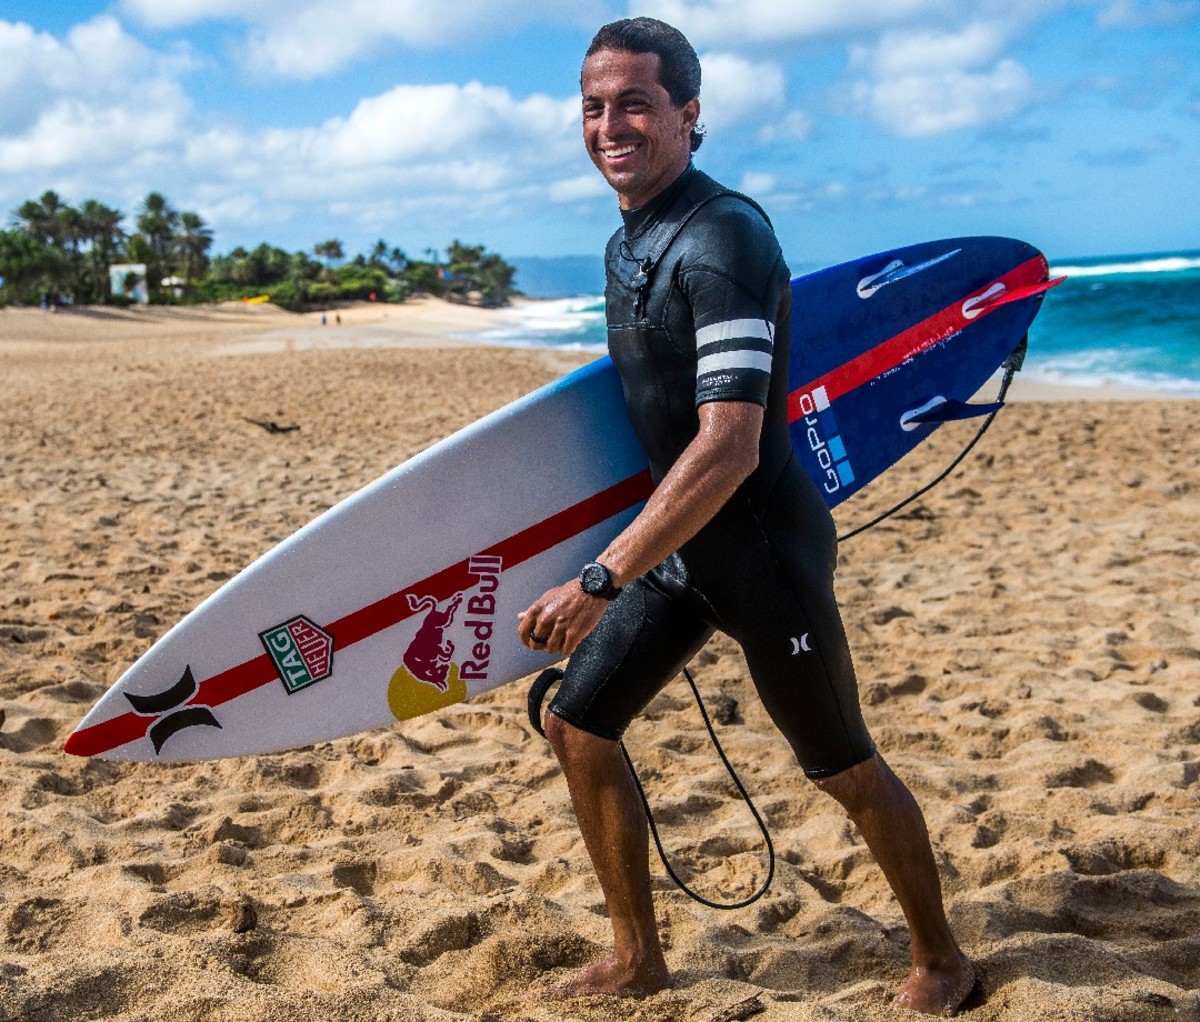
(806, 682)
(646, 637)
(774, 595)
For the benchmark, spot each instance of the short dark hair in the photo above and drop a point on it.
(678, 68)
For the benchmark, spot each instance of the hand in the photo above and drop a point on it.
(562, 617)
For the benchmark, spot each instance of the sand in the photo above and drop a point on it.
(1026, 636)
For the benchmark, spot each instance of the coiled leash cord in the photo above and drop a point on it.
(552, 675)
(537, 693)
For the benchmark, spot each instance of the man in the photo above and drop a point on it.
(735, 536)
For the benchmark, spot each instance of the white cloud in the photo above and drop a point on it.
(795, 124)
(734, 89)
(95, 96)
(758, 183)
(95, 114)
(415, 122)
(97, 63)
(73, 133)
(175, 13)
(306, 39)
(923, 51)
(927, 82)
(728, 21)
(919, 105)
(428, 139)
(410, 152)
(579, 188)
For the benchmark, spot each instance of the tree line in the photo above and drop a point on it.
(55, 252)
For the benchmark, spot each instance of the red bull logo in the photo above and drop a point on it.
(430, 676)
(428, 655)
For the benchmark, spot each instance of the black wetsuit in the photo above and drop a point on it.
(698, 310)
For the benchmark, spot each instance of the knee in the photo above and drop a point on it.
(858, 787)
(572, 744)
(557, 732)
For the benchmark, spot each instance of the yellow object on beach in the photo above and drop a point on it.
(257, 300)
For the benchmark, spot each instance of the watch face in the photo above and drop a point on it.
(594, 578)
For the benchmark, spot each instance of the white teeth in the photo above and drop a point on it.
(624, 151)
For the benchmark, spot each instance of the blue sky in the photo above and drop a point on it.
(859, 124)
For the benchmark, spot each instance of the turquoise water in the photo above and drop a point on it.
(1130, 321)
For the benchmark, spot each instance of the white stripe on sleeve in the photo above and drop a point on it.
(726, 360)
(732, 328)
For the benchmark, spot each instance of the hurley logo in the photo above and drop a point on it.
(302, 652)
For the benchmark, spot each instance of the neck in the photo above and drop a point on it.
(627, 205)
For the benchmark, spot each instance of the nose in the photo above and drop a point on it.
(612, 121)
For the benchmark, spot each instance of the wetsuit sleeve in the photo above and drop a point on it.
(735, 267)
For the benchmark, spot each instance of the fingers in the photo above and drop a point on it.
(538, 629)
(560, 620)
(547, 634)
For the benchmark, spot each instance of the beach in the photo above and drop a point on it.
(1027, 639)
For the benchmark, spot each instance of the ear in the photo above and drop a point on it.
(691, 114)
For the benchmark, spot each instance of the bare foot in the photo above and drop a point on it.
(617, 979)
(937, 991)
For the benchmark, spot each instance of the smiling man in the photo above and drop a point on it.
(735, 535)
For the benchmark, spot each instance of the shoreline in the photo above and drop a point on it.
(421, 323)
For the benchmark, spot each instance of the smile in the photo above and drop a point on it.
(625, 150)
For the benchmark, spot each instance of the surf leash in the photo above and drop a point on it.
(945, 411)
(537, 693)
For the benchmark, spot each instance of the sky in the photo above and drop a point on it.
(859, 125)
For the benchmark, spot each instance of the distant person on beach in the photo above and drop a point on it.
(735, 535)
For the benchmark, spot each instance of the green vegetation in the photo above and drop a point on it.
(56, 252)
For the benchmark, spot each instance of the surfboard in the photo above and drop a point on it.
(402, 599)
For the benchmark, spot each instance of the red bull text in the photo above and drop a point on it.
(481, 611)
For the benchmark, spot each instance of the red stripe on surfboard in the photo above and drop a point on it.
(920, 337)
(374, 618)
(512, 551)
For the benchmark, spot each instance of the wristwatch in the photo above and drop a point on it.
(595, 580)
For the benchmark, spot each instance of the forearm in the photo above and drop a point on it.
(723, 453)
(698, 485)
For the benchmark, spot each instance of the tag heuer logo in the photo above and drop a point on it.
(302, 652)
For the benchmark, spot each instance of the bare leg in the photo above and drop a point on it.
(613, 825)
(891, 823)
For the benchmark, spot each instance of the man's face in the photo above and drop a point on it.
(636, 138)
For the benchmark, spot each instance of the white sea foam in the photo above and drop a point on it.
(574, 324)
(1106, 367)
(1168, 386)
(1163, 264)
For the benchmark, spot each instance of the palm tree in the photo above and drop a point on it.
(43, 218)
(52, 223)
(194, 240)
(157, 223)
(101, 226)
(329, 251)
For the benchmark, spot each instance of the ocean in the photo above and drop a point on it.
(1125, 321)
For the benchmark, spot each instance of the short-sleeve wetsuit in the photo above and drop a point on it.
(698, 303)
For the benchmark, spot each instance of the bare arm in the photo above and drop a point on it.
(717, 461)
